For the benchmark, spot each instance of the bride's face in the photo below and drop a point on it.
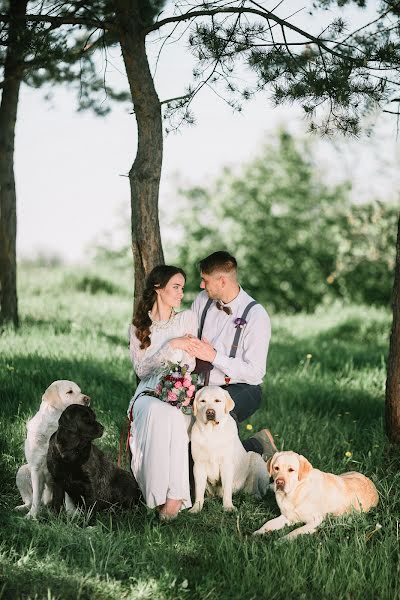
(172, 294)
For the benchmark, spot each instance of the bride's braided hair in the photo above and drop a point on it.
(157, 278)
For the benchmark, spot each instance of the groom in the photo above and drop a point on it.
(234, 336)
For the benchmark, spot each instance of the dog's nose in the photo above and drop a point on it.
(210, 414)
(86, 400)
(280, 483)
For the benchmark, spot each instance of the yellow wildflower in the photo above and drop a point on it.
(249, 427)
(348, 454)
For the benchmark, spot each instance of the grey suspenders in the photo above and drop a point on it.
(203, 317)
(238, 331)
(235, 343)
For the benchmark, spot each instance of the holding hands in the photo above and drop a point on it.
(201, 349)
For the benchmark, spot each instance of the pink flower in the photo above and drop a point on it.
(186, 401)
(158, 388)
(187, 383)
(171, 396)
(191, 390)
(178, 384)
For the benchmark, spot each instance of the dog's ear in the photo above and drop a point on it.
(194, 408)
(305, 467)
(67, 423)
(229, 405)
(269, 462)
(52, 396)
(66, 440)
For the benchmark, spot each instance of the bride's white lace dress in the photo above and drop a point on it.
(159, 432)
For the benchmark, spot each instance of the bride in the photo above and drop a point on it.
(159, 432)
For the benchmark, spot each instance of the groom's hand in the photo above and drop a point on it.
(182, 343)
(202, 349)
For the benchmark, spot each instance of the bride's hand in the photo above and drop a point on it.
(183, 343)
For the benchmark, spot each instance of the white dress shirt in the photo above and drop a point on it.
(219, 329)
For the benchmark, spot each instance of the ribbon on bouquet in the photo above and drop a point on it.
(203, 367)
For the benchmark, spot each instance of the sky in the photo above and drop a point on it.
(71, 167)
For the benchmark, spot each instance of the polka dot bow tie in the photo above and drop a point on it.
(226, 309)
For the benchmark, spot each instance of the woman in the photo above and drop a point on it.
(159, 431)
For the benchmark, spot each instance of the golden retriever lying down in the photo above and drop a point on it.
(307, 495)
(221, 464)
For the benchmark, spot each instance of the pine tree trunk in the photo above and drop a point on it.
(13, 73)
(145, 173)
(392, 412)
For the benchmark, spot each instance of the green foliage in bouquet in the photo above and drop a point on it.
(177, 387)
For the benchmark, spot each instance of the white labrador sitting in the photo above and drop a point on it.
(221, 464)
(307, 495)
(33, 479)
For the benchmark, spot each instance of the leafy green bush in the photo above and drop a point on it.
(95, 285)
(298, 242)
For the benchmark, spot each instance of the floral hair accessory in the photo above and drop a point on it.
(240, 323)
(177, 387)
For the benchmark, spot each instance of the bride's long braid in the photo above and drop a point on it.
(157, 278)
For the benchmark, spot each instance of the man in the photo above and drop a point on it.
(234, 337)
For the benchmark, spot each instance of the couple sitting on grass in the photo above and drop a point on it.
(227, 332)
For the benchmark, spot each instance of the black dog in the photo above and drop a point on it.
(82, 470)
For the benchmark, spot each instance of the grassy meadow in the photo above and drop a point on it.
(323, 397)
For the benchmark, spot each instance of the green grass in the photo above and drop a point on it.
(74, 326)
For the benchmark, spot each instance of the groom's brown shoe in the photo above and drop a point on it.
(265, 438)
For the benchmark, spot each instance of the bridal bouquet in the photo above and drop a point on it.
(177, 387)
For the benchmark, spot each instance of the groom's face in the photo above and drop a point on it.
(212, 284)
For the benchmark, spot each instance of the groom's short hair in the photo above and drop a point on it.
(218, 261)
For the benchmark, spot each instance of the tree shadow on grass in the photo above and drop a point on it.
(21, 393)
(24, 386)
(359, 342)
(331, 354)
(66, 326)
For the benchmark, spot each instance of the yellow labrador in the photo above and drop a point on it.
(307, 495)
(221, 464)
(33, 479)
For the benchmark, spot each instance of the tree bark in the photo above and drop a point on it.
(13, 73)
(392, 407)
(145, 173)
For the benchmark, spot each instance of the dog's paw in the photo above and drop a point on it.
(31, 515)
(230, 508)
(22, 508)
(260, 531)
(196, 508)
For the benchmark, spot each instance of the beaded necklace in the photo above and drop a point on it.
(162, 324)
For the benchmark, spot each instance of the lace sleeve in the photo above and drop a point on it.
(144, 364)
(190, 326)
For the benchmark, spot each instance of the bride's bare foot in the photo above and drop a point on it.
(170, 510)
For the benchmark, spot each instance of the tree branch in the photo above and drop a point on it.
(176, 99)
(67, 20)
(265, 14)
